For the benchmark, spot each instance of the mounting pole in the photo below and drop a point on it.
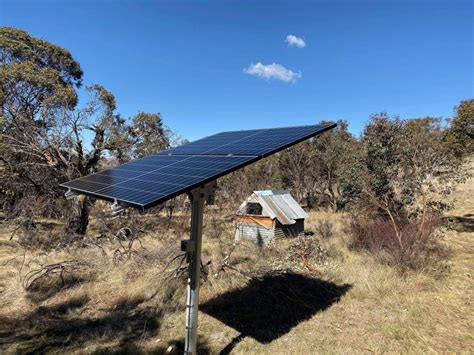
(193, 248)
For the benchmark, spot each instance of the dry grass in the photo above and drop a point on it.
(343, 302)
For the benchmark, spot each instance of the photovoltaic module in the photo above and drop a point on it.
(146, 182)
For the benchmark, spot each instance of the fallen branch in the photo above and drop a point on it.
(9, 260)
(225, 261)
(182, 256)
(14, 232)
(51, 269)
(126, 240)
(309, 266)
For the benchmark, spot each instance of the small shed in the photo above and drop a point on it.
(268, 215)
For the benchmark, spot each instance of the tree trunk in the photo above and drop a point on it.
(78, 220)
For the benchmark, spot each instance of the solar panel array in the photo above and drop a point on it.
(258, 142)
(146, 182)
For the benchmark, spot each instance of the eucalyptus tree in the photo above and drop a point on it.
(336, 167)
(46, 137)
(325, 168)
(38, 81)
(409, 175)
(296, 166)
(150, 134)
(459, 138)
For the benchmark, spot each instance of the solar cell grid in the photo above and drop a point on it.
(259, 142)
(145, 182)
(138, 184)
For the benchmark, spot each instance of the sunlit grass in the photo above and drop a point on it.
(132, 306)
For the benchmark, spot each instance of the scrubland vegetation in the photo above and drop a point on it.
(386, 264)
(345, 300)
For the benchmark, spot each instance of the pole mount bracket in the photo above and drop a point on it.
(206, 192)
(188, 245)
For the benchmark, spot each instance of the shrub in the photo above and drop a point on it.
(306, 248)
(324, 229)
(415, 246)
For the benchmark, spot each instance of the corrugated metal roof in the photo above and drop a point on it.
(277, 204)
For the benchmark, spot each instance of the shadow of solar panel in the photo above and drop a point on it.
(146, 182)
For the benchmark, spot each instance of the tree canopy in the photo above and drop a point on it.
(50, 137)
(460, 135)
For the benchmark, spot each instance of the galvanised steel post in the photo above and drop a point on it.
(198, 197)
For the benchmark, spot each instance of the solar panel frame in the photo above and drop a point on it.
(124, 172)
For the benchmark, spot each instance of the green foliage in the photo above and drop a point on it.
(265, 174)
(149, 133)
(17, 46)
(36, 76)
(296, 166)
(336, 166)
(427, 168)
(381, 140)
(408, 169)
(325, 168)
(37, 82)
(44, 131)
(399, 171)
(460, 136)
(409, 174)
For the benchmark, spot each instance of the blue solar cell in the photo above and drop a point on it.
(145, 182)
(143, 186)
(260, 142)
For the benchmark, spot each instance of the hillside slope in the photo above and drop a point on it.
(385, 312)
(339, 302)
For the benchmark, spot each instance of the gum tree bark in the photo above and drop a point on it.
(76, 225)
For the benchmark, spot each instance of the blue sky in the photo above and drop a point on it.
(191, 61)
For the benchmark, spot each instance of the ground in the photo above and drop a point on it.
(275, 301)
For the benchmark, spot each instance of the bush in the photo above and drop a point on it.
(416, 246)
(324, 229)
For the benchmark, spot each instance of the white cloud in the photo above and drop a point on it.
(295, 41)
(272, 71)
